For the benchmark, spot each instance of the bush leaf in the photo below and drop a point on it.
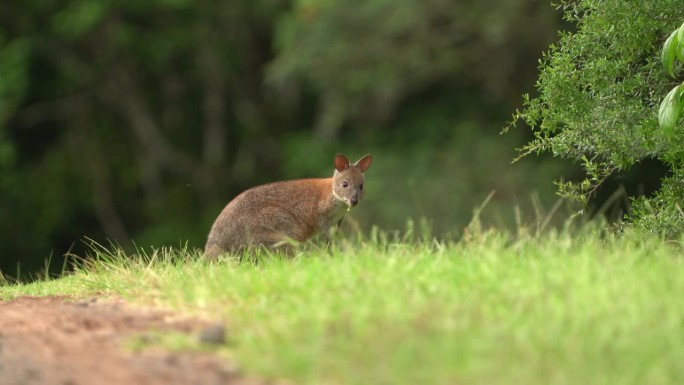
(671, 109)
(670, 52)
(680, 33)
(679, 49)
(680, 52)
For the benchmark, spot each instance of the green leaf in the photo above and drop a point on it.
(670, 52)
(671, 109)
(679, 51)
(680, 33)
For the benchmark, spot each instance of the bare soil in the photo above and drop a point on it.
(52, 340)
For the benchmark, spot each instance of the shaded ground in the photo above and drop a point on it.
(59, 341)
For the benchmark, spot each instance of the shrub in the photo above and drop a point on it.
(600, 89)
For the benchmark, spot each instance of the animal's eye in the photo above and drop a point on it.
(345, 184)
(361, 186)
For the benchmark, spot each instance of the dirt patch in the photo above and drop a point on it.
(48, 340)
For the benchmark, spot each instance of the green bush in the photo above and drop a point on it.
(600, 89)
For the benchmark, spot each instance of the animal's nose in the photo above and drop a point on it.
(354, 201)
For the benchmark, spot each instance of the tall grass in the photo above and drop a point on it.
(492, 308)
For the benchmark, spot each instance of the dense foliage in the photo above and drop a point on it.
(600, 90)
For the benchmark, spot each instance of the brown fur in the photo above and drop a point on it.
(275, 214)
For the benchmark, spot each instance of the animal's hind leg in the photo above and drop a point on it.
(212, 251)
(275, 241)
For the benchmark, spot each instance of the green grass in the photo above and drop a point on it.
(492, 308)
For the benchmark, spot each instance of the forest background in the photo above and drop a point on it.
(136, 122)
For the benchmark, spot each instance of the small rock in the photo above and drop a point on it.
(213, 335)
(85, 302)
(147, 338)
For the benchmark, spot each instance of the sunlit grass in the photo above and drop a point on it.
(492, 308)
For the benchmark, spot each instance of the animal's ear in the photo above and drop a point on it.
(364, 163)
(341, 162)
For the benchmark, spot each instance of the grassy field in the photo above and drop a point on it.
(493, 308)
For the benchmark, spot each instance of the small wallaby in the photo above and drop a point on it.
(275, 214)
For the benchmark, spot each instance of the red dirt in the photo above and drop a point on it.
(49, 340)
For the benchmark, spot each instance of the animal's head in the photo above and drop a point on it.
(348, 179)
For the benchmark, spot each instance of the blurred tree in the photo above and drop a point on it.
(364, 58)
(117, 114)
